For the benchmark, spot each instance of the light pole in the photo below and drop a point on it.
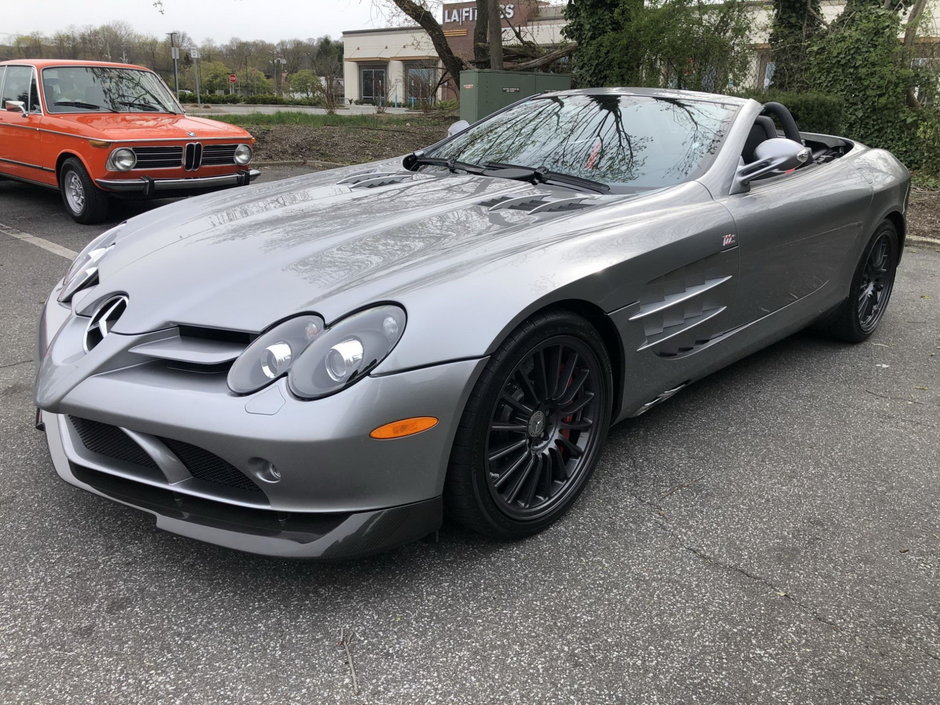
(277, 61)
(175, 53)
(194, 54)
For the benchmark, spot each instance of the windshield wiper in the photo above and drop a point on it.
(418, 159)
(541, 175)
(78, 104)
(149, 107)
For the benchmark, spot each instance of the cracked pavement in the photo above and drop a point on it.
(770, 535)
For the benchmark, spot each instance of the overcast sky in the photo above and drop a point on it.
(220, 20)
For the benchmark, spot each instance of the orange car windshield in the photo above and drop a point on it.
(95, 89)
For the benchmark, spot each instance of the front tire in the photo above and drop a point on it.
(532, 430)
(85, 202)
(859, 315)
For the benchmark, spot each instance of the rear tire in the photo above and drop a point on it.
(532, 430)
(85, 202)
(859, 315)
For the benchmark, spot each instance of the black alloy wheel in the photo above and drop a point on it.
(859, 315)
(533, 428)
(876, 283)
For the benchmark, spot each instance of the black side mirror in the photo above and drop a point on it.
(773, 156)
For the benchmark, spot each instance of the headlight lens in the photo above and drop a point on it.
(347, 352)
(84, 268)
(271, 355)
(123, 159)
(242, 154)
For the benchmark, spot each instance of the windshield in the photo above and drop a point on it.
(90, 89)
(627, 141)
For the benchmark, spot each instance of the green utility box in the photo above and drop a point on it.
(483, 91)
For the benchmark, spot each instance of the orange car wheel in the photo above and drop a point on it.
(84, 201)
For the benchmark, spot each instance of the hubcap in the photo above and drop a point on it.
(74, 192)
(542, 435)
(875, 287)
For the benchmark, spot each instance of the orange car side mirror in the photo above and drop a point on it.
(15, 106)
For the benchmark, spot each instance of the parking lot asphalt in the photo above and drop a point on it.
(771, 535)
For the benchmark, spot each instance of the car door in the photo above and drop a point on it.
(19, 133)
(794, 232)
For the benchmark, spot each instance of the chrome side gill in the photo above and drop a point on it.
(687, 324)
(675, 299)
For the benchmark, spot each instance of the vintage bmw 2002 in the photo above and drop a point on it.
(95, 130)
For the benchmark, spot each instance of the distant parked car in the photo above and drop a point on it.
(95, 130)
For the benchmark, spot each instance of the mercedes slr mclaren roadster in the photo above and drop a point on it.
(330, 365)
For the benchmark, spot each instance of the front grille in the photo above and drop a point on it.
(193, 156)
(208, 467)
(159, 157)
(111, 442)
(218, 154)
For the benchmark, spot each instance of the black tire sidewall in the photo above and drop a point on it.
(852, 325)
(477, 416)
(95, 207)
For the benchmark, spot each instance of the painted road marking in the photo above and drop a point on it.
(38, 242)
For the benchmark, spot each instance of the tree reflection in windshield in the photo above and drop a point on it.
(620, 140)
(81, 89)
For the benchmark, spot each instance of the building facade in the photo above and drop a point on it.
(398, 65)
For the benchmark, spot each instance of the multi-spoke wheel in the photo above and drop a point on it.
(871, 287)
(532, 429)
(84, 201)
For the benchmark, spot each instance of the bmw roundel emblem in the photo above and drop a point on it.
(191, 134)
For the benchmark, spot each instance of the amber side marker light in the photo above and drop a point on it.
(98, 143)
(404, 427)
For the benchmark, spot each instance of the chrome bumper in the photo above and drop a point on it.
(146, 185)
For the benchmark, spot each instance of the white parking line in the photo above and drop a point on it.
(38, 242)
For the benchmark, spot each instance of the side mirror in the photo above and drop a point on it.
(457, 127)
(16, 106)
(773, 156)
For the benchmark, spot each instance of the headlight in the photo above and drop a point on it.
(271, 355)
(84, 268)
(318, 361)
(242, 154)
(347, 352)
(123, 159)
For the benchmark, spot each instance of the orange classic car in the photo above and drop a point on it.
(95, 130)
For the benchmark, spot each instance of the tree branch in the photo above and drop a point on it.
(546, 59)
(420, 14)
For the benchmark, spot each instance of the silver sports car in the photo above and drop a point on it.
(330, 365)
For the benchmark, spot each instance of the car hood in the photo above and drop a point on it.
(244, 258)
(116, 127)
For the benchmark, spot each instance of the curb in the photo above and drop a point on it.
(928, 242)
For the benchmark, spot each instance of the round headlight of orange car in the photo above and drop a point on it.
(242, 154)
(123, 159)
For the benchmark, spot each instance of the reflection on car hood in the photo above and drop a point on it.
(244, 258)
(137, 126)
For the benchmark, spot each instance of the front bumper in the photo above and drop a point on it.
(148, 186)
(264, 532)
(337, 493)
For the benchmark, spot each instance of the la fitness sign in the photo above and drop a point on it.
(461, 15)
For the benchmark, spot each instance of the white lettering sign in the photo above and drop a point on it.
(469, 14)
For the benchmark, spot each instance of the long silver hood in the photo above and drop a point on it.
(247, 257)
